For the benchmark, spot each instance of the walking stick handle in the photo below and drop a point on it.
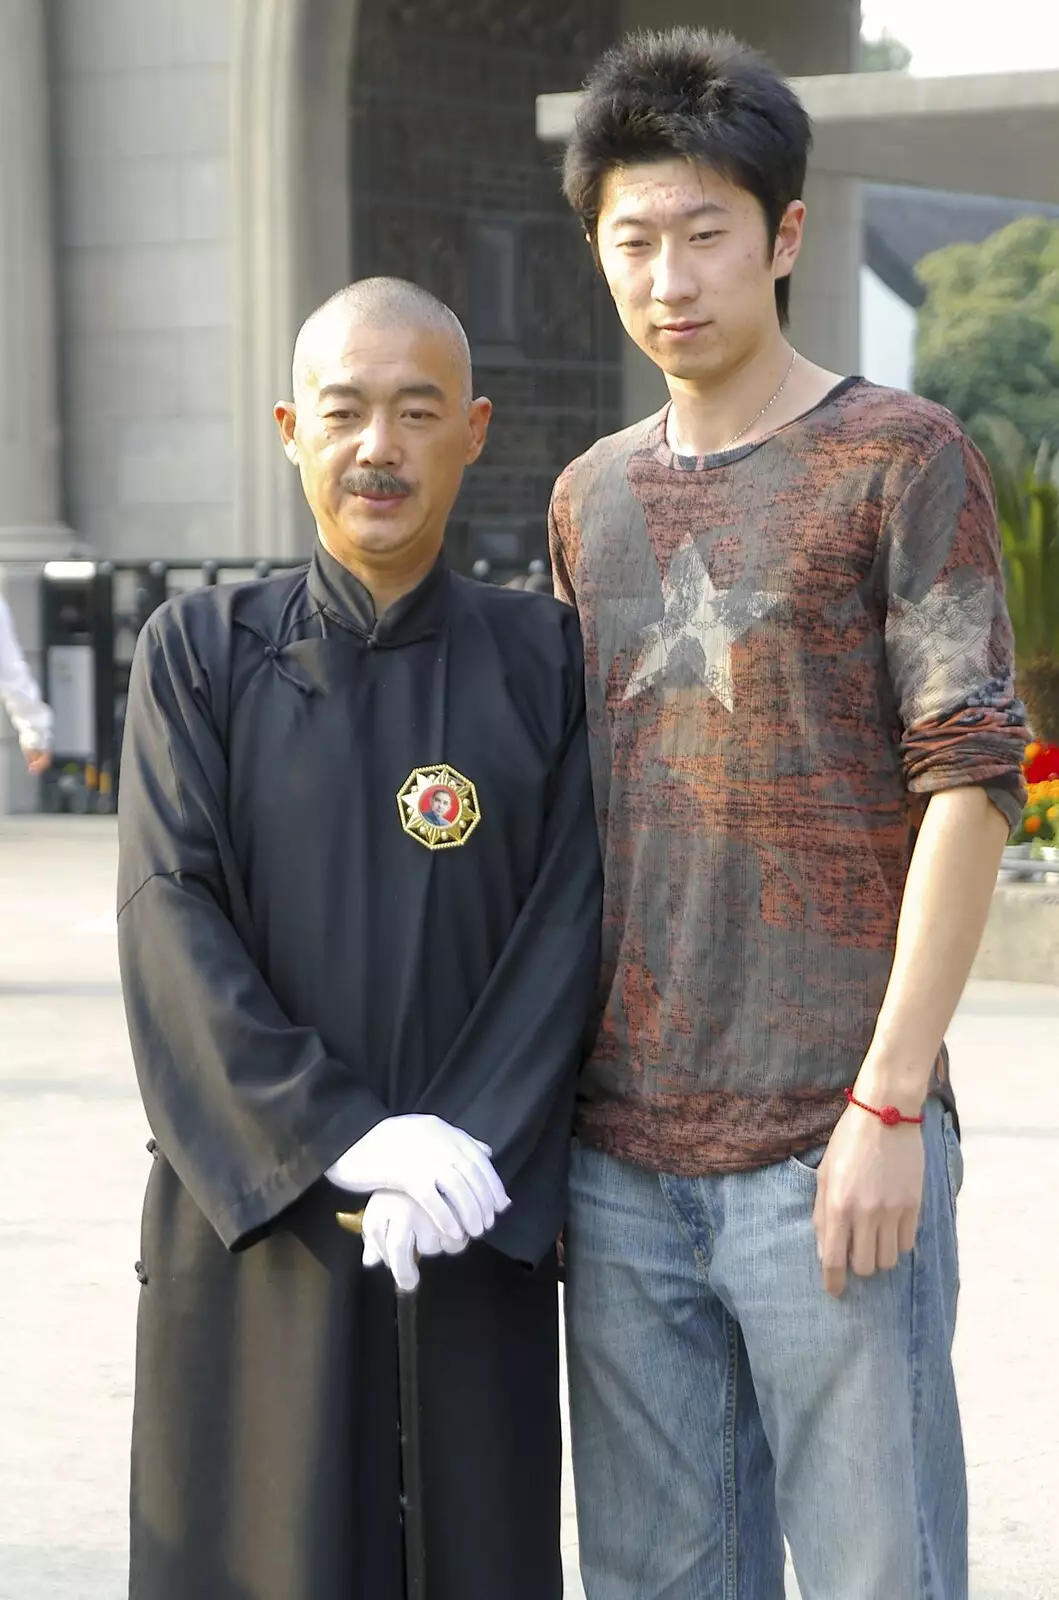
(353, 1222)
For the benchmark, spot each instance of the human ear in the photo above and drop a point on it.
(286, 417)
(478, 415)
(789, 238)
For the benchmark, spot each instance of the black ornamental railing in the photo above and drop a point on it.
(92, 614)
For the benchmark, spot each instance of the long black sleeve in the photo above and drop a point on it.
(510, 1077)
(249, 1109)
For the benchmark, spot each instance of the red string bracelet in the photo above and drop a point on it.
(887, 1114)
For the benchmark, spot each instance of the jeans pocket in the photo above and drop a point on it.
(805, 1164)
(953, 1157)
(953, 1181)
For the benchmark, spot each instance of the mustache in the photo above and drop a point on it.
(373, 480)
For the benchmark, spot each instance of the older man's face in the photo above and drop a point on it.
(381, 434)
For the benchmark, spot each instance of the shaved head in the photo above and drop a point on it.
(379, 304)
(381, 427)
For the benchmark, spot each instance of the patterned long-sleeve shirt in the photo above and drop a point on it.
(789, 647)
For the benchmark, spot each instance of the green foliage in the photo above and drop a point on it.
(1039, 824)
(988, 338)
(885, 54)
(1027, 491)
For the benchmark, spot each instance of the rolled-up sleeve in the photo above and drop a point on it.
(949, 644)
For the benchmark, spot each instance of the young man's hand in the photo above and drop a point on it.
(871, 1178)
(869, 1191)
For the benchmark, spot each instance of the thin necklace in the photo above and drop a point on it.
(677, 451)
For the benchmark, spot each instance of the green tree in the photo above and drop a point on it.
(885, 54)
(988, 336)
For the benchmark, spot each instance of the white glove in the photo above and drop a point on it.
(396, 1230)
(440, 1167)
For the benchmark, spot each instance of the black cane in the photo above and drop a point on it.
(408, 1421)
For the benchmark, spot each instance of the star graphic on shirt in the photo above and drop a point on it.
(938, 647)
(700, 615)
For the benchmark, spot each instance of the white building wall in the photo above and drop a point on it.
(887, 334)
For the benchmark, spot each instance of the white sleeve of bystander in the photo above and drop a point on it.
(19, 691)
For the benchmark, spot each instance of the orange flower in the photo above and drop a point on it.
(1032, 751)
(1032, 824)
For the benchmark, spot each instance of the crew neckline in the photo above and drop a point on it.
(725, 458)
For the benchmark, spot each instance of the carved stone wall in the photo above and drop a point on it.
(452, 188)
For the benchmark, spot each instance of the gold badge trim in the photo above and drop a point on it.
(447, 834)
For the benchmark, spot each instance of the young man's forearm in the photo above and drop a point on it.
(946, 902)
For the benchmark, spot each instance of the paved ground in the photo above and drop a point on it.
(72, 1166)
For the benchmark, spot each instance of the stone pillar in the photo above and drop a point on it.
(808, 39)
(30, 478)
(812, 39)
(291, 233)
(31, 530)
(825, 291)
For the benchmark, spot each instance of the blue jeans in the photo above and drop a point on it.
(720, 1400)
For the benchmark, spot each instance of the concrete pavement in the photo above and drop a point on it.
(72, 1167)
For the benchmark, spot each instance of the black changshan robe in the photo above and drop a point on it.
(297, 966)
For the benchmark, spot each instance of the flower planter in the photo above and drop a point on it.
(1017, 861)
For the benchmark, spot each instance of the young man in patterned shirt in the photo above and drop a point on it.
(807, 756)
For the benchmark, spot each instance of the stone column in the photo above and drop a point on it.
(30, 481)
(825, 290)
(291, 233)
(31, 530)
(812, 39)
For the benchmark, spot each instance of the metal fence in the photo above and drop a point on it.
(92, 613)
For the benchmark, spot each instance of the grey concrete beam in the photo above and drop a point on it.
(995, 135)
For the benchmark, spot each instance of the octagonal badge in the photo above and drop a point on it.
(439, 807)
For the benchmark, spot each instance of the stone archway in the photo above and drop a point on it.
(312, 130)
(291, 227)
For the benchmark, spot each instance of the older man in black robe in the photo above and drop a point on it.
(359, 904)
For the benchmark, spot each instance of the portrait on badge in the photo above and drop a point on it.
(439, 807)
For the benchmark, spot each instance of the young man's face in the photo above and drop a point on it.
(689, 261)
